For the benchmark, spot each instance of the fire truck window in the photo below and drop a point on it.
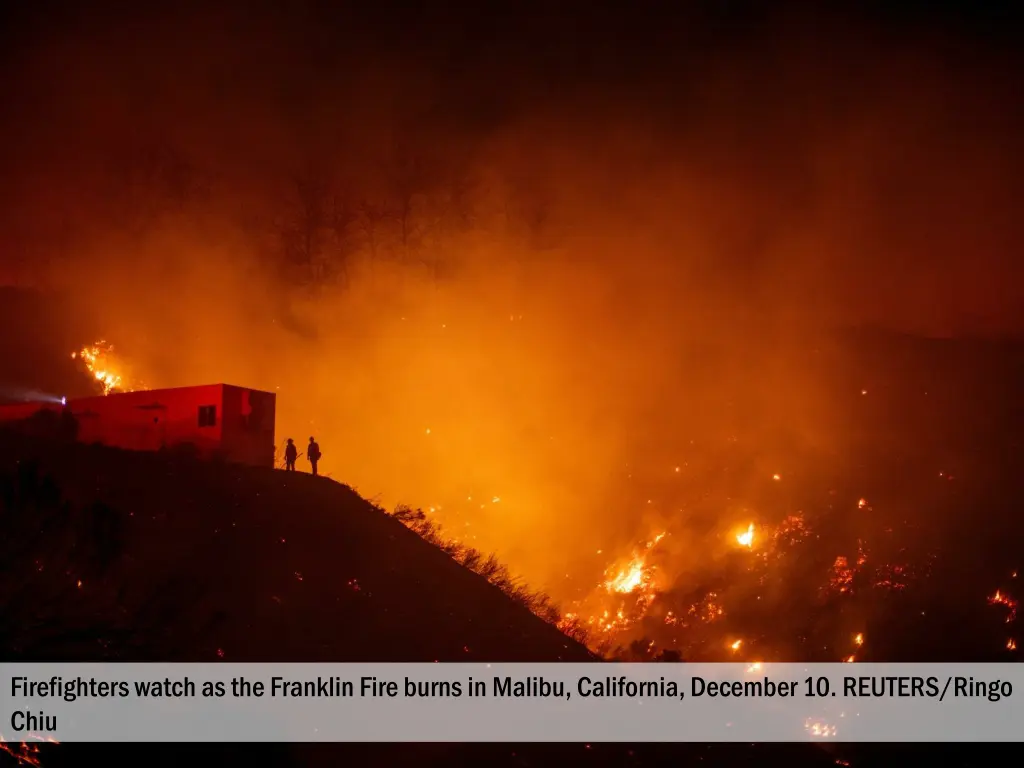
(207, 415)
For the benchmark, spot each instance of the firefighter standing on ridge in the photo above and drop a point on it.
(291, 453)
(313, 453)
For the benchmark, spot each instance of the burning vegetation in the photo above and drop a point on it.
(640, 611)
(106, 367)
(27, 753)
(700, 587)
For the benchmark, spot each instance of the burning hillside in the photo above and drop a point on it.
(796, 565)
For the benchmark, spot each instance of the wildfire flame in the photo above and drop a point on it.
(629, 579)
(746, 539)
(637, 573)
(623, 597)
(25, 752)
(100, 362)
(1001, 598)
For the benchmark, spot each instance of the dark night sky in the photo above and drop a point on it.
(483, 49)
(911, 110)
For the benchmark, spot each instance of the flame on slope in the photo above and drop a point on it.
(102, 364)
(1010, 604)
(25, 752)
(636, 574)
(618, 608)
(623, 597)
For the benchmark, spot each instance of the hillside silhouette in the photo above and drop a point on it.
(112, 555)
(258, 565)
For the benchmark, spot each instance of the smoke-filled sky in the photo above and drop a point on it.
(507, 253)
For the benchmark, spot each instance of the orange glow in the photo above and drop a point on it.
(535, 332)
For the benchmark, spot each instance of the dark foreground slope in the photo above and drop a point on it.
(111, 555)
(245, 565)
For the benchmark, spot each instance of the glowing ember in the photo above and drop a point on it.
(746, 539)
(861, 555)
(708, 610)
(736, 645)
(892, 577)
(790, 531)
(862, 503)
(842, 575)
(1001, 598)
(819, 729)
(859, 639)
(1011, 644)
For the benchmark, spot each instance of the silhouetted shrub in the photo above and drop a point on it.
(493, 570)
(573, 628)
(471, 559)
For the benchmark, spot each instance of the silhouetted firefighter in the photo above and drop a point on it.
(291, 453)
(313, 453)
